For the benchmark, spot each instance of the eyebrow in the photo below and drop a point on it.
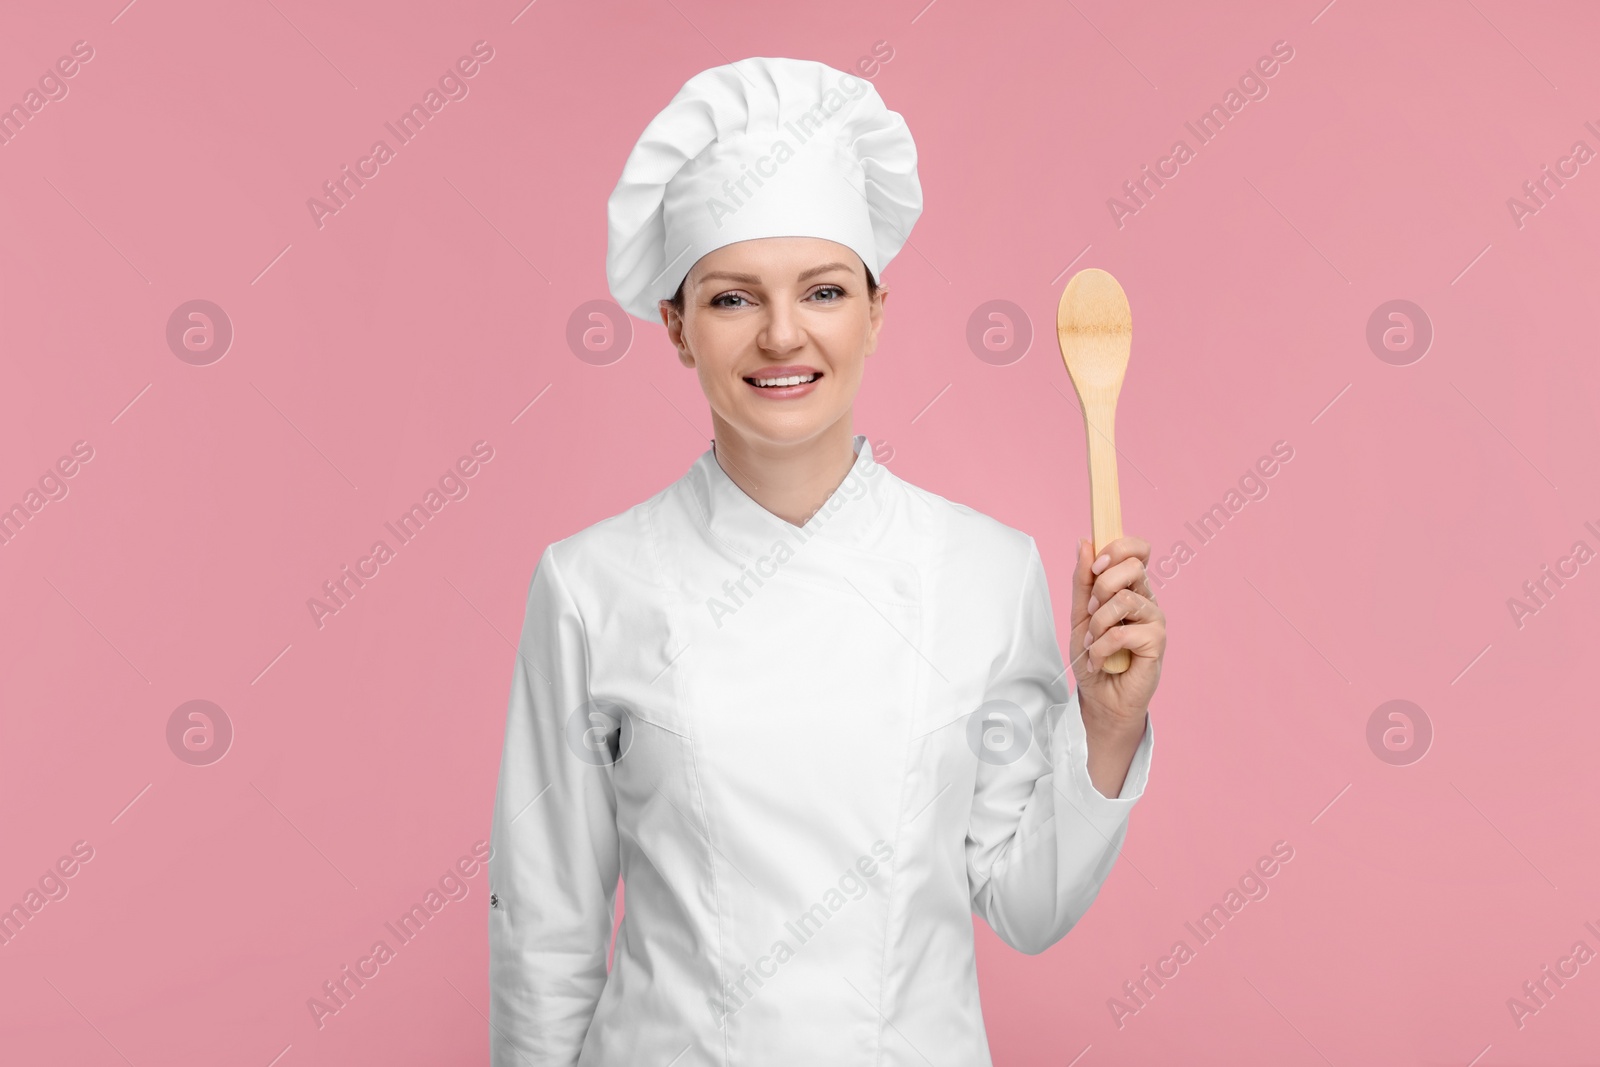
(751, 279)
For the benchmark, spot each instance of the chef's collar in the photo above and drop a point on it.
(736, 519)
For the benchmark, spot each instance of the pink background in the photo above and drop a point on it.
(369, 354)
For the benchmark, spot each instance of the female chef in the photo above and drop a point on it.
(814, 716)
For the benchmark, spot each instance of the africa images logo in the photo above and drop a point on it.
(811, 122)
(452, 86)
(735, 590)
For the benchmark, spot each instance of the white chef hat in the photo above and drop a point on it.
(762, 147)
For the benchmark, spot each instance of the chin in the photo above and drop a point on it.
(793, 430)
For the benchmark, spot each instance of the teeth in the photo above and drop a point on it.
(767, 383)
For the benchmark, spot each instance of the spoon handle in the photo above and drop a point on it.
(1105, 502)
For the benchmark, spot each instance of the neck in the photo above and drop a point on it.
(790, 480)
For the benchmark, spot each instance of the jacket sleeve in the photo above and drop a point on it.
(1042, 838)
(554, 863)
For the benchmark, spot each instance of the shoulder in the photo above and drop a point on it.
(609, 555)
(980, 539)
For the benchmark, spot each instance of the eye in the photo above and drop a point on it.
(832, 289)
(716, 301)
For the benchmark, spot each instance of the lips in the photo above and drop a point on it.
(785, 382)
(787, 370)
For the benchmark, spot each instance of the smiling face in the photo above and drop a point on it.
(792, 312)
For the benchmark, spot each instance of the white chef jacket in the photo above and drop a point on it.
(811, 753)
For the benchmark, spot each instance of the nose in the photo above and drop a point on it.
(782, 331)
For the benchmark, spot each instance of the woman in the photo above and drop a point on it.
(813, 715)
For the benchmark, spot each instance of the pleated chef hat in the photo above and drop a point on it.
(759, 148)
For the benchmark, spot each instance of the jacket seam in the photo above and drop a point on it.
(653, 540)
(919, 695)
(588, 696)
(1000, 861)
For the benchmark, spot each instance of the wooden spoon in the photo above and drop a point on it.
(1095, 329)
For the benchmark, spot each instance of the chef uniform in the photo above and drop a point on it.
(810, 752)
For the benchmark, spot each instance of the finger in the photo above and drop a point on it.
(1125, 606)
(1145, 640)
(1121, 548)
(1082, 582)
(1129, 574)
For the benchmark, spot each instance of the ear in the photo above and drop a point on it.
(875, 314)
(674, 324)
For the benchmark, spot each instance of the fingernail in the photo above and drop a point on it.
(1100, 564)
(1094, 602)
